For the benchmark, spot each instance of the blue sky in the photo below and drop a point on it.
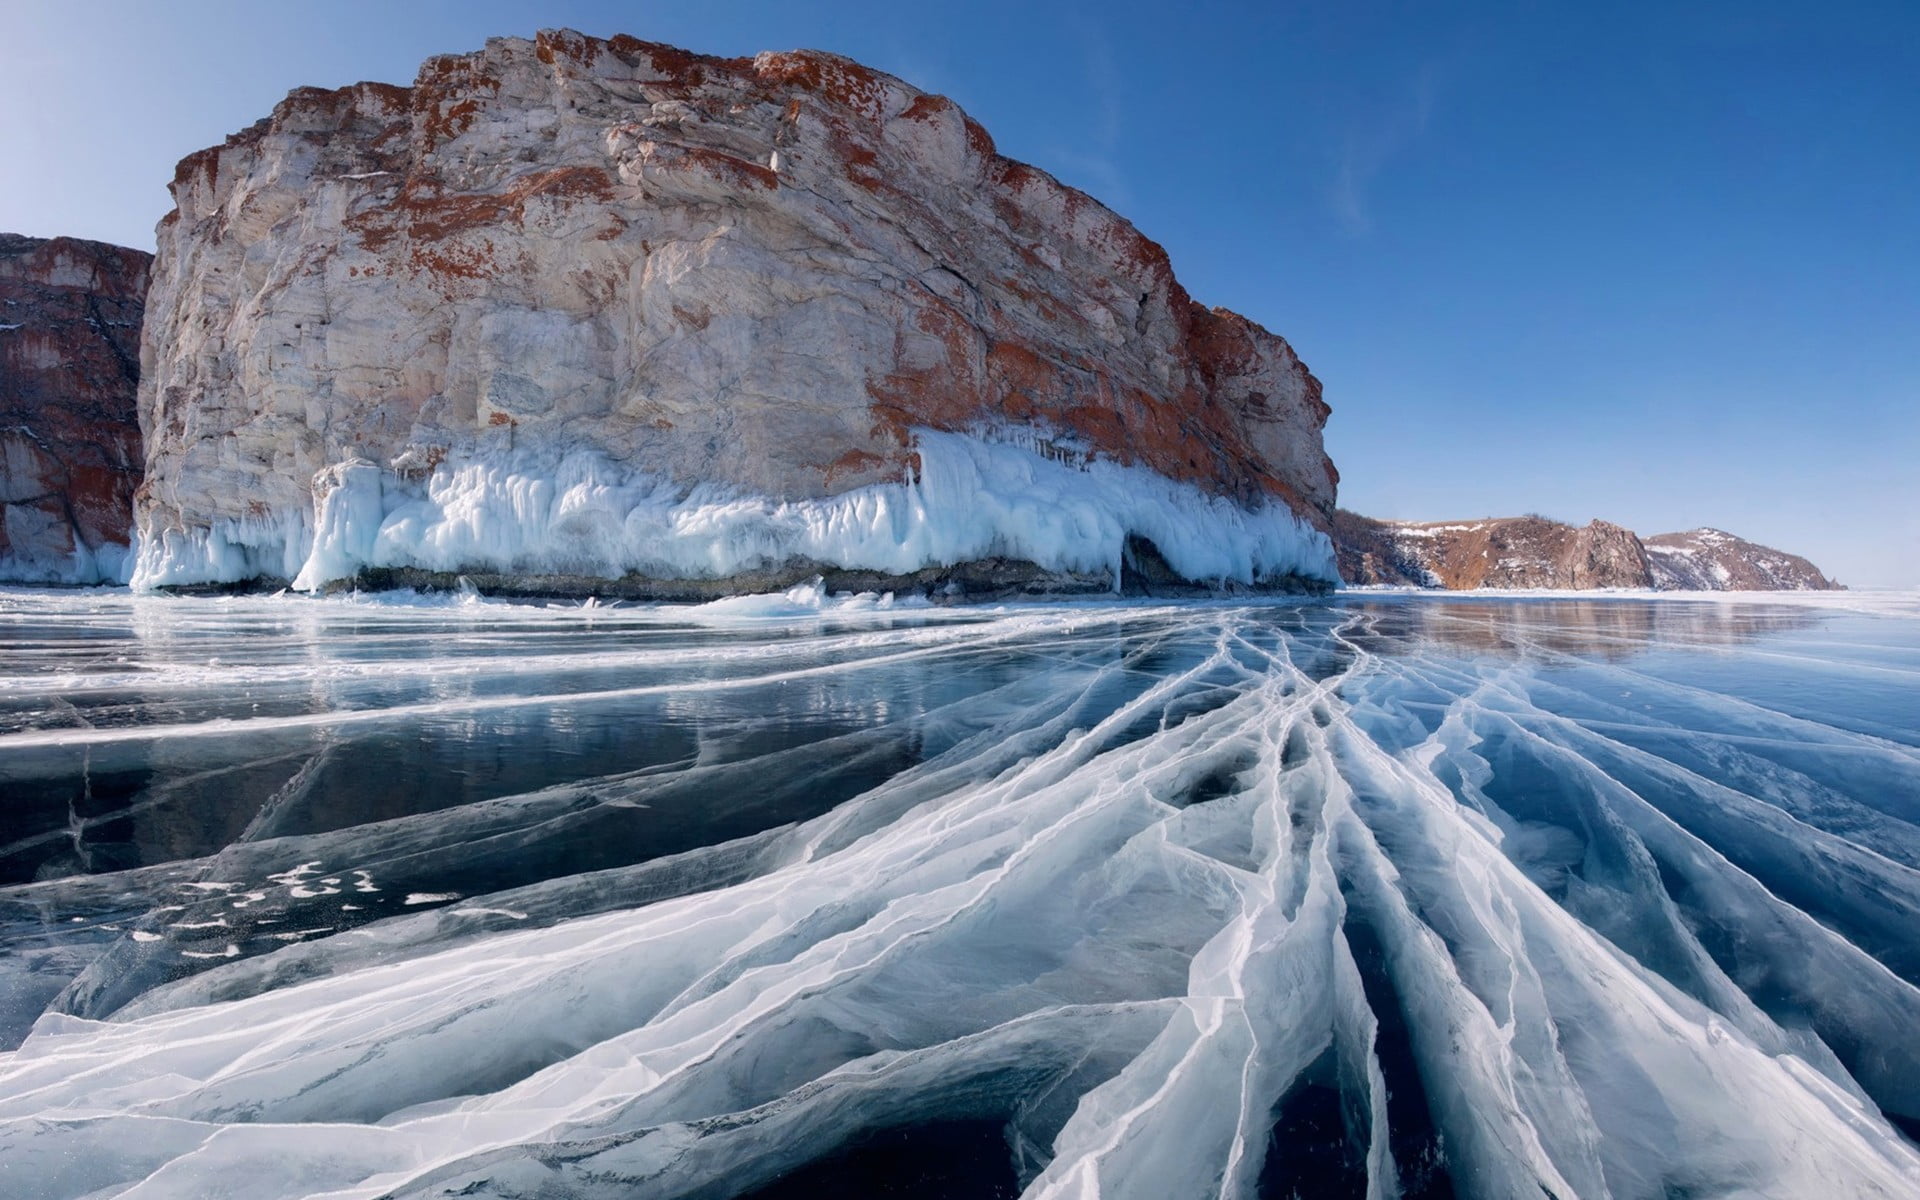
(1658, 263)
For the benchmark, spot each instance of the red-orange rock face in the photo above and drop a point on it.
(1503, 552)
(69, 441)
(762, 273)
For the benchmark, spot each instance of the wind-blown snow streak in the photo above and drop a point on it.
(1380, 897)
(578, 514)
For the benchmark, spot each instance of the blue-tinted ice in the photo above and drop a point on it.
(1388, 895)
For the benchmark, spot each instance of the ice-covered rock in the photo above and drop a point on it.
(559, 291)
(69, 441)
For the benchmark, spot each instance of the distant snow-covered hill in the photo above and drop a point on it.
(1713, 560)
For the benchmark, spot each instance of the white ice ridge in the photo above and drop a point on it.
(1129, 905)
(83, 566)
(577, 513)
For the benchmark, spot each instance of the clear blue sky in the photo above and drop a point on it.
(1653, 262)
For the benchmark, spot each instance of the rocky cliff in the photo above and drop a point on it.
(610, 308)
(1535, 552)
(69, 440)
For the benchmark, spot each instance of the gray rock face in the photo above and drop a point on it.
(761, 276)
(69, 442)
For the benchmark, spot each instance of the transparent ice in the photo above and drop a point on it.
(1386, 895)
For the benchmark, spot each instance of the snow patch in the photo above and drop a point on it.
(1427, 531)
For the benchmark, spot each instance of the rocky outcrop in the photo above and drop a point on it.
(568, 304)
(69, 440)
(1513, 552)
(1535, 552)
(1715, 561)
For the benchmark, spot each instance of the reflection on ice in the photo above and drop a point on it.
(1382, 896)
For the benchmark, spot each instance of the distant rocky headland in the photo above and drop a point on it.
(1535, 552)
(585, 316)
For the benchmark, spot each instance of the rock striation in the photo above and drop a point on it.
(610, 308)
(70, 454)
(1535, 552)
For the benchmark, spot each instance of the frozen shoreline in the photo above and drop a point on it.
(1002, 496)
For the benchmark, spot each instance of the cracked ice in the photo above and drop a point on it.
(1382, 896)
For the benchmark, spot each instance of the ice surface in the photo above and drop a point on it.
(973, 497)
(1581, 898)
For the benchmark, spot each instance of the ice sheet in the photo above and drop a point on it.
(1520, 898)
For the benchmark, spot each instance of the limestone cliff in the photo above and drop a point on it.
(607, 307)
(1535, 552)
(69, 441)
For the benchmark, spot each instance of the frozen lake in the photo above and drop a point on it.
(1385, 894)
